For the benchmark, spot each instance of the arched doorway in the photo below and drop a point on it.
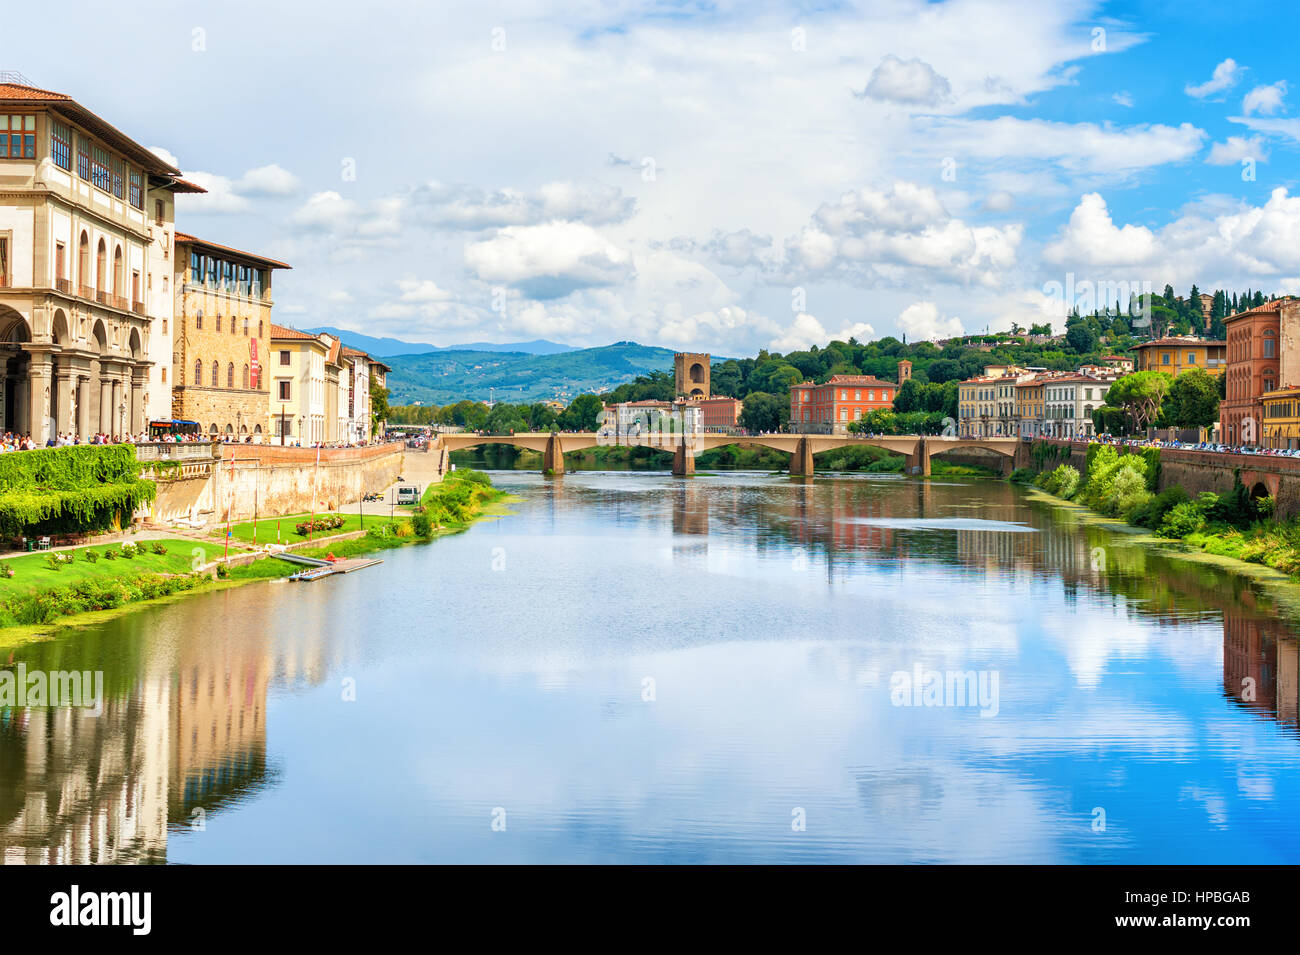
(15, 372)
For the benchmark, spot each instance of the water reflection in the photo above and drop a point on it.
(769, 612)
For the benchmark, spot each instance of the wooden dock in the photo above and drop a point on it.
(315, 568)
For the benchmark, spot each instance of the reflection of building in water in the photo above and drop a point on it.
(187, 734)
(690, 509)
(80, 789)
(218, 726)
(1254, 648)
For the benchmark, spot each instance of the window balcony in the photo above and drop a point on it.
(85, 291)
(138, 308)
(63, 285)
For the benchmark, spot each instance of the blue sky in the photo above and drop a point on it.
(721, 176)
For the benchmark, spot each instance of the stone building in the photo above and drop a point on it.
(1255, 356)
(297, 400)
(85, 214)
(692, 372)
(220, 338)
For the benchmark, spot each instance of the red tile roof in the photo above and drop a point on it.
(186, 239)
(17, 94)
(1193, 342)
(284, 332)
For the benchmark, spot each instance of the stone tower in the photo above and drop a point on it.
(904, 371)
(692, 370)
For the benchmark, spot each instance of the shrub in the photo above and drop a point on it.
(1185, 518)
(91, 555)
(1063, 482)
(130, 550)
(222, 571)
(57, 559)
(1128, 492)
(110, 554)
(1023, 476)
(6, 569)
(159, 548)
(421, 523)
(1153, 512)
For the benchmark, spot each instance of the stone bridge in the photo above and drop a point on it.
(916, 448)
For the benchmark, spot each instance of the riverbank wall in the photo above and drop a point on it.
(205, 483)
(1197, 471)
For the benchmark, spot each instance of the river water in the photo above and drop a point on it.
(734, 667)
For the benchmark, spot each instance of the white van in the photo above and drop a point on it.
(408, 494)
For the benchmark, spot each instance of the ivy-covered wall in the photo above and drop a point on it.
(75, 490)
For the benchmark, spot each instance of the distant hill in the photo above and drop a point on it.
(445, 376)
(389, 347)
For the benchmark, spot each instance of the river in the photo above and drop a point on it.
(734, 667)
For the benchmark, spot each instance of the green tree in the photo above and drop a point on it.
(379, 410)
(764, 412)
(1140, 394)
(1193, 400)
(583, 414)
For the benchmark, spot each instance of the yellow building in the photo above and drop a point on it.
(297, 376)
(1029, 406)
(1281, 427)
(1177, 355)
(219, 352)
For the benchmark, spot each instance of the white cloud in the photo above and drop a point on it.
(872, 236)
(1000, 201)
(166, 156)
(1123, 98)
(912, 82)
(1266, 100)
(922, 321)
(471, 208)
(1092, 238)
(1077, 148)
(806, 331)
(1235, 149)
(225, 195)
(549, 261)
(1219, 243)
(272, 180)
(415, 290)
(1226, 75)
(326, 211)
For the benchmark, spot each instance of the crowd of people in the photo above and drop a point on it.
(9, 441)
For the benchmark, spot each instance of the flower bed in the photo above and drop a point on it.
(329, 522)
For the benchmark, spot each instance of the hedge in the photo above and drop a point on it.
(72, 490)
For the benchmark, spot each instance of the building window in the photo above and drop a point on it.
(60, 261)
(230, 375)
(198, 372)
(164, 376)
(137, 189)
(1191, 358)
(218, 323)
(61, 145)
(17, 137)
(100, 177)
(216, 374)
(285, 391)
(4, 261)
(245, 377)
(158, 208)
(83, 157)
(164, 324)
(119, 178)
(1268, 347)
(245, 328)
(196, 268)
(1164, 358)
(198, 321)
(284, 358)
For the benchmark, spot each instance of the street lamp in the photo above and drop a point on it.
(282, 423)
(300, 420)
(121, 419)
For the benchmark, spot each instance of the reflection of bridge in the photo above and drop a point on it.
(917, 449)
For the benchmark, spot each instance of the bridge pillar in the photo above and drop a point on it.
(801, 462)
(918, 462)
(553, 456)
(683, 460)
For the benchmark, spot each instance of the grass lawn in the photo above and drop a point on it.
(266, 528)
(30, 571)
